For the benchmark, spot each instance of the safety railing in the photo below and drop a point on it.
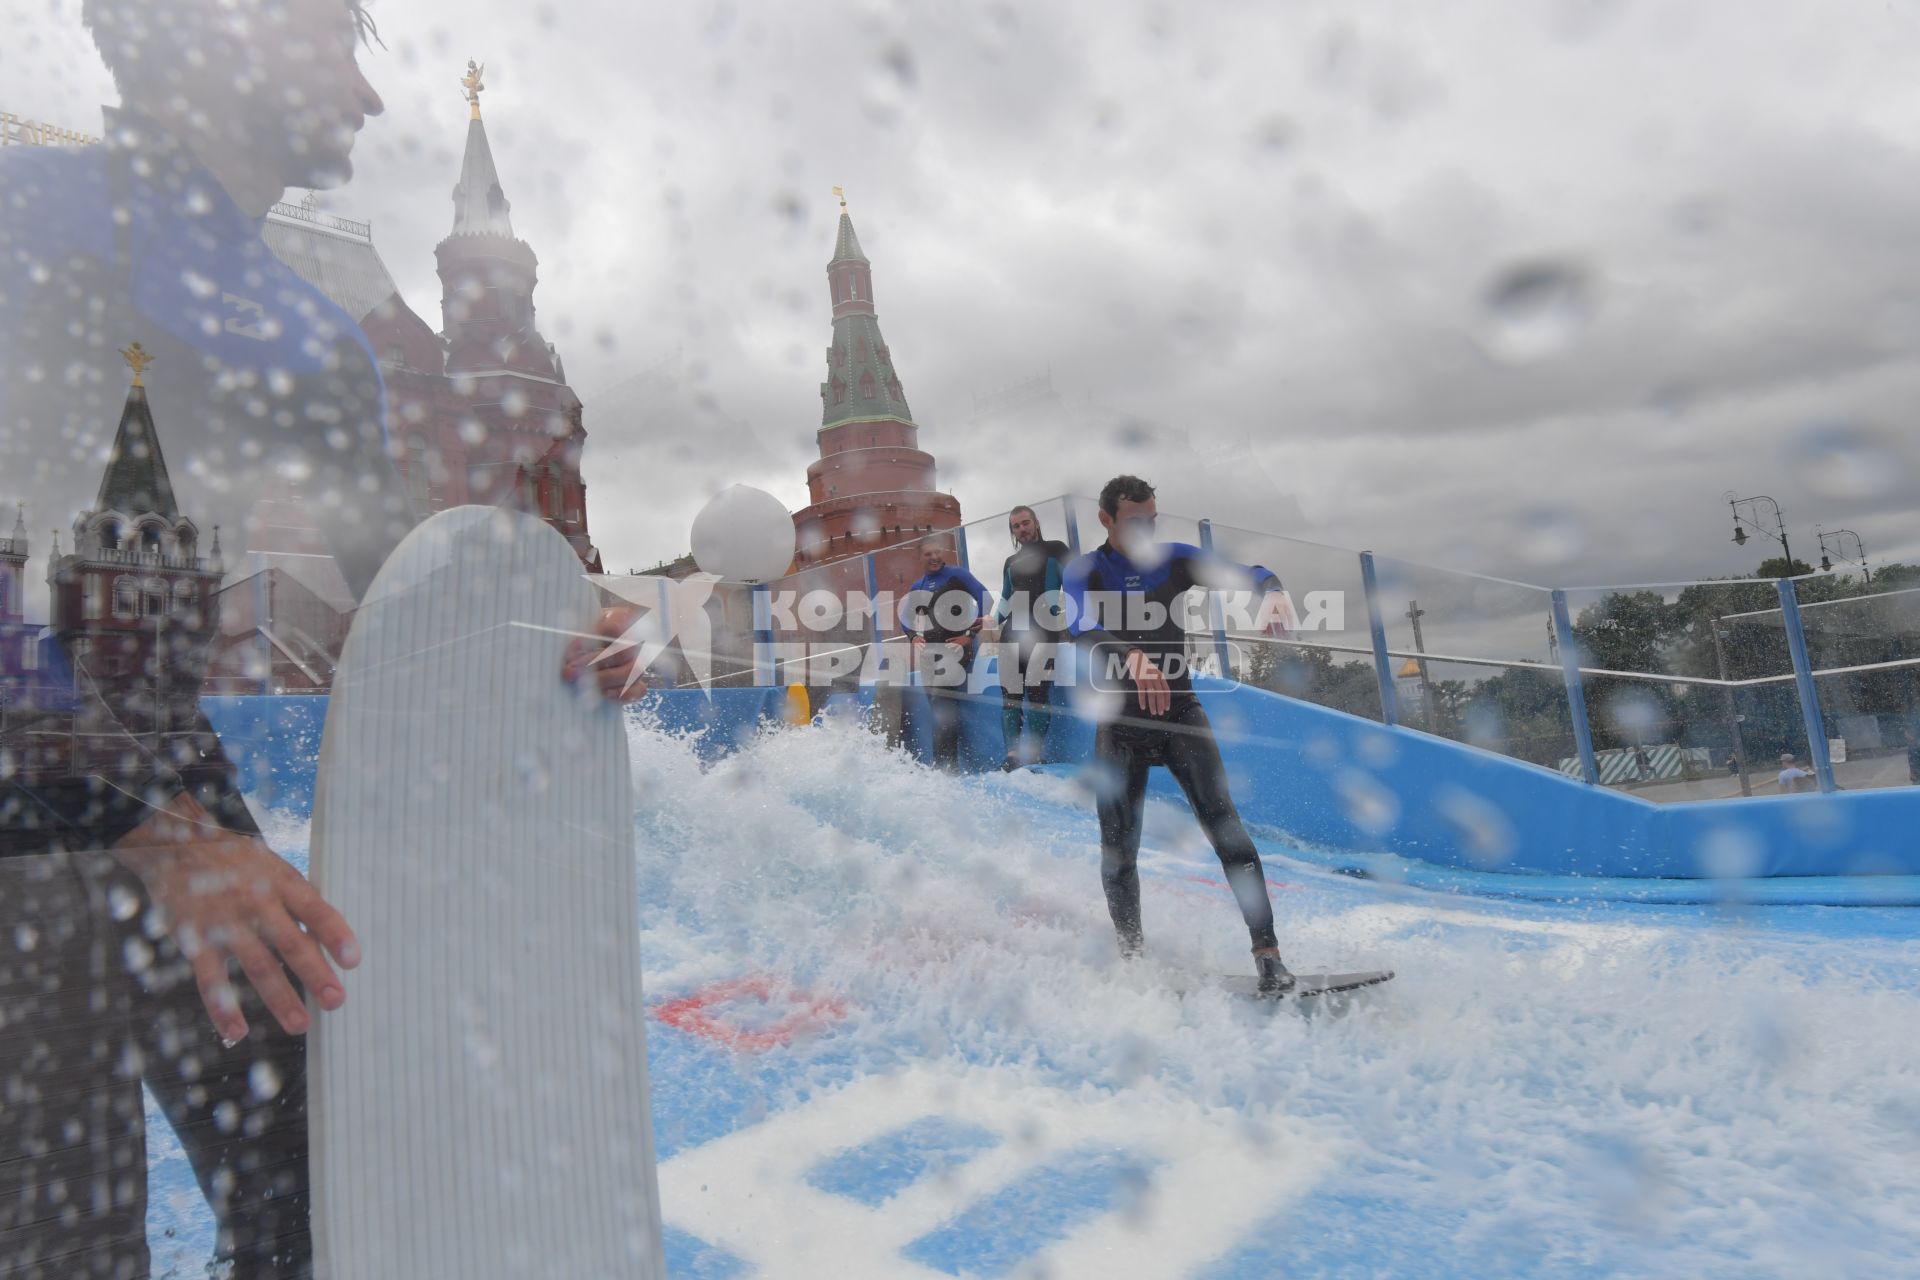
(1680, 690)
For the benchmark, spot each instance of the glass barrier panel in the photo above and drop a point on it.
(1328, 659)
(1702, 665)
(1864, 646)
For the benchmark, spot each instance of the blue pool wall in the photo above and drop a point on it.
(1320, 778)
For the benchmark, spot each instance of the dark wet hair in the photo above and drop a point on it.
(123, 29)
(1029, 510)
(1124, 489)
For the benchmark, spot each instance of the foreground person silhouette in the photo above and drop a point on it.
(147, 933)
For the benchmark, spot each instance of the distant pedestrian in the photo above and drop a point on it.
(1792, 777)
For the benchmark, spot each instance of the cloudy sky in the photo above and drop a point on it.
(1522, 287)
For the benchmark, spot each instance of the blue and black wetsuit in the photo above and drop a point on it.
(255, 374)
(942, 606)
(1116, 605)
(1030, 582)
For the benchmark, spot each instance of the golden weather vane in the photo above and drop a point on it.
(843, 198)
(473, 84)
(137, 359)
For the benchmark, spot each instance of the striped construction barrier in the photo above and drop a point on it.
(1623, 764)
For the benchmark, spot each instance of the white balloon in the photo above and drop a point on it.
(743, 535)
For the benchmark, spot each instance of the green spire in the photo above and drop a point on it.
(861, 384)
(846, 245)
(136, 479)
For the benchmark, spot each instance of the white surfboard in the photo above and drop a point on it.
(479, 1106)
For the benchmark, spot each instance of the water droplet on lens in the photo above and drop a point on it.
(1367, 804)
(1729, 854)
(1841, 460)
(1488, 838)
(263, 1081)
(1532, 310)
(1550, 537)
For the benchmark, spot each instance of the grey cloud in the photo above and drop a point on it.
(1264, 233)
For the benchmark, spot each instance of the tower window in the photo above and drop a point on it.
(126, 598)
(839, 391)
(866, 386)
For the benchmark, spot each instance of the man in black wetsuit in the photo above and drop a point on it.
(148, 934)
(1029, 626)
(1124, 603)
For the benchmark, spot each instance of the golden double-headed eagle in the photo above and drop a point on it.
(473, 84)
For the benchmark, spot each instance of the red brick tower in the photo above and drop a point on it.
(135, 604)
(873, 487)
(482, 412)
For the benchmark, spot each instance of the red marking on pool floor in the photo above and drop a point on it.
(699, 1012)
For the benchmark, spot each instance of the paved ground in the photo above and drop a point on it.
(1854, 775)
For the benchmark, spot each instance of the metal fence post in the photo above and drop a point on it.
(1576, 689)
(261, 605)
(1803, 679)
(872, 599)
(1073, 526)
(1216, 614)
(763, 672)
(960, 541)
(1382, 666)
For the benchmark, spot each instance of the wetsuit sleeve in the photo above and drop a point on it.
(46, 802)
(1194, 567)
(911, 609)
(1004, 609)
(1083, 590)
(980, 595)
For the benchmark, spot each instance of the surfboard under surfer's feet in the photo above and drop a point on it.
(1305, 985)
(1272, 978)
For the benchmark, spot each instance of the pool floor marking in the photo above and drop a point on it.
(749, 1193)
(701, 1013)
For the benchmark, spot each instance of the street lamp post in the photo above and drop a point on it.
(1733, 710)
(1837, 538)
(1778, 533)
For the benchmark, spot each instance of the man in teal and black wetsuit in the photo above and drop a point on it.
(1123, 604)
(1030, 623)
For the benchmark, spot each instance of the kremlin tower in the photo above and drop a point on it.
(477, 413)
(481, 411)
(135, 603)
(873, 486)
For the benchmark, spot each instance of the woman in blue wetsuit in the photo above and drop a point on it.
(1123, 604)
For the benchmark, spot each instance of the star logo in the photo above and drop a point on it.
(673, 609)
